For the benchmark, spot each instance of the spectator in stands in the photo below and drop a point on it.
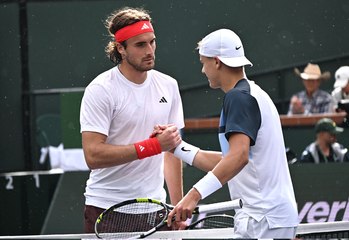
(325, 148)
(341, 85)
(312, 99)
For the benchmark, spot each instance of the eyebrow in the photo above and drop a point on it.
(140, 42)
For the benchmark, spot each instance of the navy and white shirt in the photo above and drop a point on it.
(264, 184)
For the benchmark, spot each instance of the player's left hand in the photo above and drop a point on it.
(179, 225)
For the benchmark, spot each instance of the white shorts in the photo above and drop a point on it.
(247, 227)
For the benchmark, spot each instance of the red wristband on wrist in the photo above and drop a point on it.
(148, 148)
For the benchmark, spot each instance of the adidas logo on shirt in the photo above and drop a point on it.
(145, 26)
(163, 100)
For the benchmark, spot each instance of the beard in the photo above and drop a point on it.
(145, 64)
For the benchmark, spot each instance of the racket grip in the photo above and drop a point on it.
(221, 206)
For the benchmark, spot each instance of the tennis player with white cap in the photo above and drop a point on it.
(254, 163)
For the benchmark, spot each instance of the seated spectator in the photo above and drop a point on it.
(312, 99)
(341, 85)
(325, 148)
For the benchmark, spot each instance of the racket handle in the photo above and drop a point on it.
(221, 206)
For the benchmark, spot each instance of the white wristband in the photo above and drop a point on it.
(186, 152)
(207, 185)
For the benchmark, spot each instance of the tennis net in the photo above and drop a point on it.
(328, 230)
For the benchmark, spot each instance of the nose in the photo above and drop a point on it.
(150, 48)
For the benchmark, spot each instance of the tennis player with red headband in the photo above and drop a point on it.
(119, 109)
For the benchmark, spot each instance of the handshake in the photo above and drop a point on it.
(166, 138)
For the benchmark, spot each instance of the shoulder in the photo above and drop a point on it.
(163, 81)
(103, 78)
(161, 76)
(323, 93)
(300, 94)
(104, 85)
(240, 91)
(338, 146)
(337, 92)
(307, 154)
(242, 96)
(242, 86)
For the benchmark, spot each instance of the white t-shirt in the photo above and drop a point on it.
(264, 184)
(126, 113)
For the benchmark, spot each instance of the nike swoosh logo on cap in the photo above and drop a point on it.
(237, 48)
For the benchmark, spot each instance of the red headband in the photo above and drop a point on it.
(133, 30)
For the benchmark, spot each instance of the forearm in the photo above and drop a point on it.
(173, 177)
(103, 155)
(100, 154)
(206, 160)
(201, 159)
(230, 166)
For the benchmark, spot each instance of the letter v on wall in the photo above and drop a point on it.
(304, 211)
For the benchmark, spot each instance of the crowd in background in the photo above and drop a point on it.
(314, 100)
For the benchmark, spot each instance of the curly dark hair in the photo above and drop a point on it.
(119, 19)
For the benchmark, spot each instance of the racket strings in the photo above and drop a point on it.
(219, 221)
(130, 219)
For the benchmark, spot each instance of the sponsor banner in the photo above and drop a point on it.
(323, 211)
(322, 191)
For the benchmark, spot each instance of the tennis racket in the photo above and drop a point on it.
(141, 217)
(213, 221)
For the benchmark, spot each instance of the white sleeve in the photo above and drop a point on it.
(176, 113)
(96, 110)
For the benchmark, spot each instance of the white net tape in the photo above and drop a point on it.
(222, 233)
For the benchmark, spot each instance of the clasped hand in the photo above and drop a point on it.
(168, 136)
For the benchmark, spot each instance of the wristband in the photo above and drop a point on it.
(186, 152)
(207, 185)
(148, 148)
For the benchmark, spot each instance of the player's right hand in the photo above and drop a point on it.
(158, 129)
(169, 138)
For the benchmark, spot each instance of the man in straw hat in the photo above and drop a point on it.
(325, 148)
(312, 100)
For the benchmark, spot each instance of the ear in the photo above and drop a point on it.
(121, 49)
(218, 62)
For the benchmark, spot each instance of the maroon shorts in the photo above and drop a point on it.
(91, 215)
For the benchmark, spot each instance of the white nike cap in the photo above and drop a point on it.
(342, 77)
(226, 46)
